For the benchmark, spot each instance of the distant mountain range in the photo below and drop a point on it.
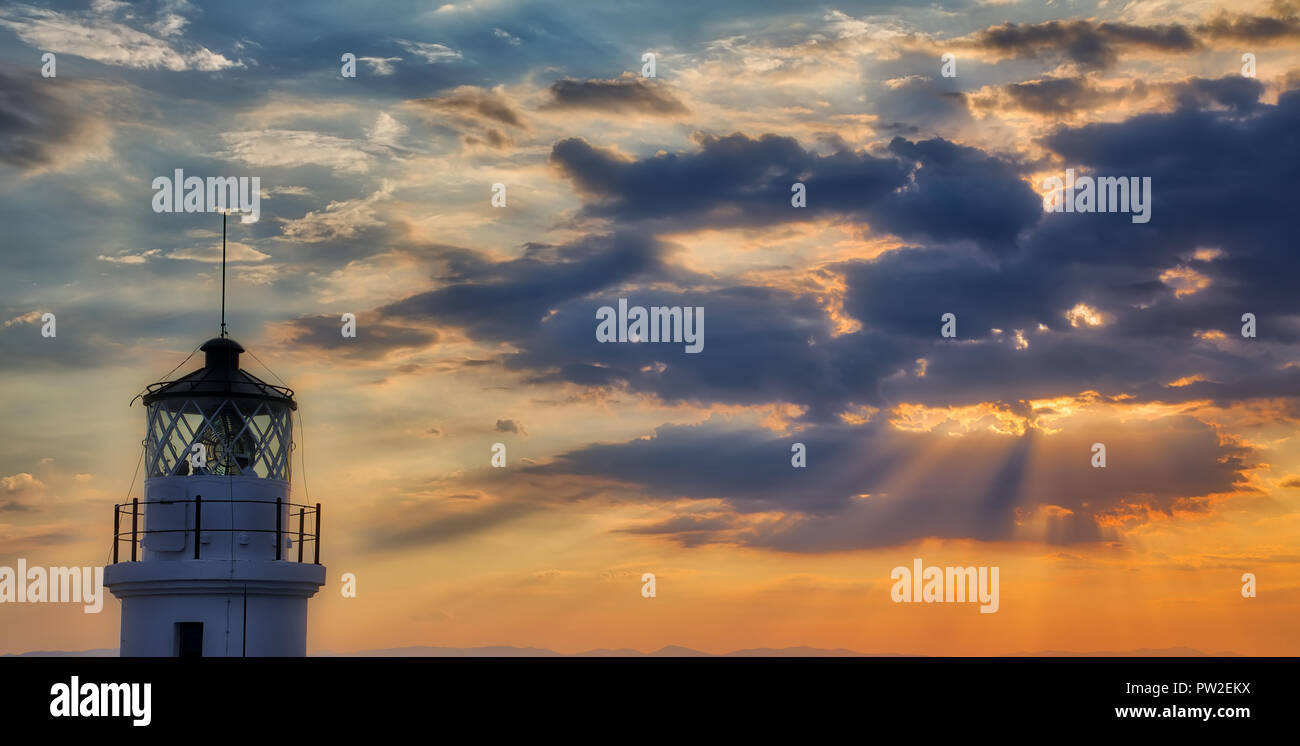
(93, 653)
(671, 651)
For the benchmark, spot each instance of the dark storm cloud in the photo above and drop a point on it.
(1098, 44)
(1235, 91)
(1218, 179)
(956, 193)
(842, 499)
(904, 292)
(1089, 43)
(38, 118)
(375, 338)
(761, 345)
(625, 94)
(736, 173)
(1252, 28)
(1063, 96)
(509, 300)
(929, 189)
(1214, 187)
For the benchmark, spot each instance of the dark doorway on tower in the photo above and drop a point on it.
(189, 639)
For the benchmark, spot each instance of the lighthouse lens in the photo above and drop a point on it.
(221, 437)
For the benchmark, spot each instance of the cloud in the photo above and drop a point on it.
(31, 317)
(509, 38)
(41, 128)
(929, 189)
(1095, 45)
(1091, 44)
(434, 525)
(381, 65)
(767, 345)
(1063, 97)
(338, 220)
(1253, 28)
(431, 53)
(762, 344)
(475, 112)
(1234, 91)
(376, 338)
(749, 178)
(861, 488)
(95, 36)
(921, 103)
(20, 483)
(387, 131)
(475, 103)
(510, 426)
(957, 193)
(501, 300)
(625, 94)
(1068, 98)
(276, 147)
(236, 252)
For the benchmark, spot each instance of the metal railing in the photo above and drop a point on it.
(196, 385)
(136, 533)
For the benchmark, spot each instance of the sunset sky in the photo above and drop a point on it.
(475, 324)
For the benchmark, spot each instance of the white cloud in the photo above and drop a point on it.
(31, 317)
(381, 65)
(339, 220)
(95, 36)
(170, 24)
(878, 28)
(295, 191)
(509, 37)
(386, 130)
(210, 254)
(269, 148)
(20, 482)
(124, 258)
(430, 52)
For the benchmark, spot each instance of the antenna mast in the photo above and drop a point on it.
(223, 273)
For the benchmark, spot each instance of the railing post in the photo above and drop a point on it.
(302, 516)
(198, 521)
(135, 524)
(117, 515)
(279, 540)
(317, 539)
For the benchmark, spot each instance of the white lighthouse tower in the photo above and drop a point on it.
(215, 560)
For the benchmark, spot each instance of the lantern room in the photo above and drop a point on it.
(219, 420)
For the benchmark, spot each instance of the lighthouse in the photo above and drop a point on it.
(215, 560)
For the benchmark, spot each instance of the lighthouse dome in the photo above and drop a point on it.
(220, 376)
